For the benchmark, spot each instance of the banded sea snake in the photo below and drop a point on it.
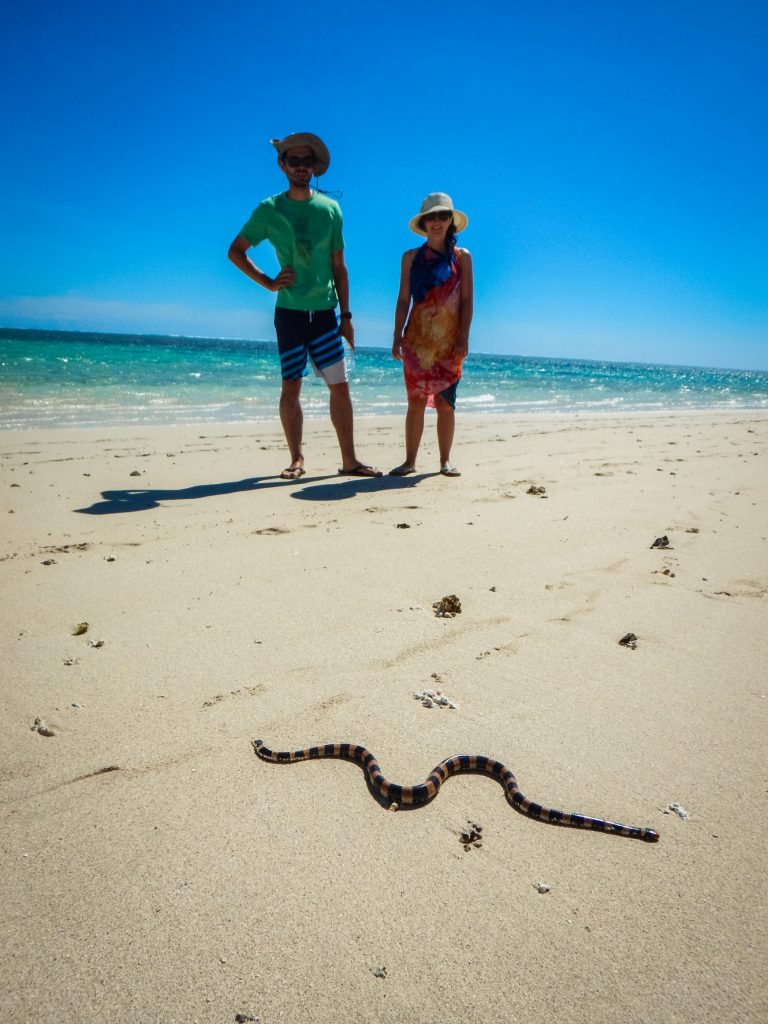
(426, 791)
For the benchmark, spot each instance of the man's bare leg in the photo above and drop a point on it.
(342, 420)
(292, 418)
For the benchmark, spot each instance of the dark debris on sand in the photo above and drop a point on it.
(447, 607)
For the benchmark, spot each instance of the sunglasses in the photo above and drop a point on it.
(442, 215)
(300, 161)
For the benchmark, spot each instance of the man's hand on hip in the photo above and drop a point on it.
(284, 279)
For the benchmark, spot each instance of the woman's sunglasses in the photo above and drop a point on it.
(300, 161)
(442, 215)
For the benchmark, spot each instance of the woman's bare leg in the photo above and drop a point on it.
(446, 423)
(414, 428)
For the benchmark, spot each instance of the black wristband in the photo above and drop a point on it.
(345, 316)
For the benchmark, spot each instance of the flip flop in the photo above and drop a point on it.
(292, 474)
(360, 470)
(448, 470)
(403, 470)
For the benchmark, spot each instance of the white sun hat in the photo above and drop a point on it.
(434, 203)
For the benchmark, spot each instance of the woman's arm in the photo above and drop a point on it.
(467, 303)
(403, 303)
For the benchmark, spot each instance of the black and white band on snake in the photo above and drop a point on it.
(426, 791)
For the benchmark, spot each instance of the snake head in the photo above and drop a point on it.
(256, 744)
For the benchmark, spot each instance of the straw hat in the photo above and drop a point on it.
(434, 203)
(316, 144)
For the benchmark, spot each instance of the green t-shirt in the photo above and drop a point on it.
(304, 235)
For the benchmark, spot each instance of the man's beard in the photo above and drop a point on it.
(301, 181)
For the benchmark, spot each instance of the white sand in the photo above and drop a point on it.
(197, 882)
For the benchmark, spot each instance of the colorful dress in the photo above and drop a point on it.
(430, 362)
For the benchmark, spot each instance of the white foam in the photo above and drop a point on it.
(477, 399)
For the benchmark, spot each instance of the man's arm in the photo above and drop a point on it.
(341, 281)
(237, 255)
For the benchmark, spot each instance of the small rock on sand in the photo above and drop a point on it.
(447, 607)
(434, 699)
(472, 836)
(678, 810)
(43, 728)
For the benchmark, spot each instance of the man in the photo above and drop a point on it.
(305, 229)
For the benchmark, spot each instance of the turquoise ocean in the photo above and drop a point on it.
(68, 379)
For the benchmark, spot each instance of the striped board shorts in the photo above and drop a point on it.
(312, 334)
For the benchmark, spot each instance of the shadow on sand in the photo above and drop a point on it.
(136, 500)
(344, 487)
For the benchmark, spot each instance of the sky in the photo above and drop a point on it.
(611, 157)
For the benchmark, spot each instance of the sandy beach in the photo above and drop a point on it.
(155, 870)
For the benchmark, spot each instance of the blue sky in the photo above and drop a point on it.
(611, 158)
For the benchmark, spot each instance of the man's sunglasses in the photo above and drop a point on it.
(300, 161)
(442, 215)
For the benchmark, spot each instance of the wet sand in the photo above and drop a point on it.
(192, 881)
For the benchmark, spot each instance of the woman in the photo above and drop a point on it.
(436, 288)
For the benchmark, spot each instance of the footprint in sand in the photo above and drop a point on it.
(246, 691)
